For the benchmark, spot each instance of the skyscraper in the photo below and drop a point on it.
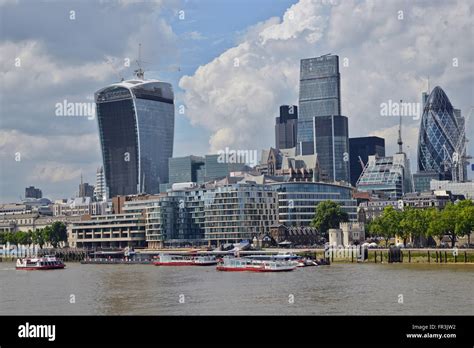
(136, 125)
(441, 142)
(186, 169)
(320, 95)
(360, 149)
(321, 127)
(331, 143)
(33, 192)
(286, 127)
(100, 192)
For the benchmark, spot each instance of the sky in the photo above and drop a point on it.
(231, 64)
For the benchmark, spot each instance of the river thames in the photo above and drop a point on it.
(339, 289)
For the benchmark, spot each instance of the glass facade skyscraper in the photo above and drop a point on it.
(286, 127)
(331, 142)
(320, 95)
(136, 127)
(441, 134)
(321, 127)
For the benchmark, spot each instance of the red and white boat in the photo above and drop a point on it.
(238, 264)
(39, 263)
(184, 260)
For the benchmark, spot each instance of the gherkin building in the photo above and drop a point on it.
(440, 133)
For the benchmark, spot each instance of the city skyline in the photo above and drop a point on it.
(56, 150)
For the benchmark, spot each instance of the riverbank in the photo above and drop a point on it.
(427, 256)
(412, 255)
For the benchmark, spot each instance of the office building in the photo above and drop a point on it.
(441, 142)
(421, 180)
(389, 175)
(136, 127)
(286, 127)
(33, 192)
(216, 169)
(321, 127)
(332, 147)
(297, 201)
(186, 169)
(359, 151)
(319, 95)
(456, 188)
(100, 190)
(109, 231)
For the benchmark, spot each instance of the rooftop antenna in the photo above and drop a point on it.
(139, 73)
(400, 142)
(428, 84)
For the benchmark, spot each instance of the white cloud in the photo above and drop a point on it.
(387, 59)
(194, 35)
(36, 147)
(55, 172)
(28, 66)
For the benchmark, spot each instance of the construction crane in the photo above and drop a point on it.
(459, 159)
(140, 72)
(361, 163)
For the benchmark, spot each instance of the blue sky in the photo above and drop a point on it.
(391, 48)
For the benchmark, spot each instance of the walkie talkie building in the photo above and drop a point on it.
(136, 127)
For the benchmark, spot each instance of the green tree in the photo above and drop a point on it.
(47, 232)
(328, 214)
(29, 237)
(465, 219)
(390, 222)
(38, 238)
(22, 238)
(11, 237)
(379, 227)
(455, 220)
(414, 223)
(58, 234)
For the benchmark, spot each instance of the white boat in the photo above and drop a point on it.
(165, 259)
(39, 263)
(242, 264)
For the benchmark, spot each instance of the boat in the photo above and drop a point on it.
(242, 264)
(39, 263)
(298, 261)
(184, 260)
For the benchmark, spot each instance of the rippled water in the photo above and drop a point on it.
(149, 290)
